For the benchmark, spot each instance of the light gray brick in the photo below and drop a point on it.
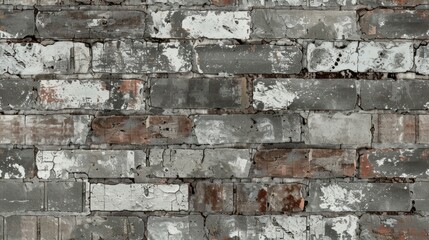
(200, 24)
(176, 227)
(422, 60)
(244, 59)
(17, 163)
(305, 94)
(139, 197)
(16, 23)
(259, 128)
(78, 24)
(332, 57)
(282, 23)
(348, 130)
(358, 197)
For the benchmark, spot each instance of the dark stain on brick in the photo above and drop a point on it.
(262, 200)
(213, 195)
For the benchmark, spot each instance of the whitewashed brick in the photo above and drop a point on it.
(139, 197)
(327, 57)
(343, 227)
(422, 60)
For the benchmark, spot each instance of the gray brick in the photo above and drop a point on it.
(94, 163)
(34, 58)
(422, 60)
(139, 197)
(359, 197)
(180, 2)
(305, 94)
(176, 227)
(18, 196)
(385, 56)
(408, 163)
(99, 227)
(393, 129)
(390, 23)
(341, 227)
(65, 196)
(17, 94)
(260, 128)
(92, 94)
(348, 130)
(17, 163)
(256, 227)
(332, 57)
(198, 93)
(2, 232)
(141, 57)
(78, 24)
(332, 3)
(394, 95)
(378, 227)
(243, 59)
(199, 24)
(420, 196)
(20, 227)
(390, 3)
(48, 228)
(272, 3)
(207, 163)
(16, 23)
(282, 23)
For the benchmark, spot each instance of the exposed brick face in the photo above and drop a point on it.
(214, 119)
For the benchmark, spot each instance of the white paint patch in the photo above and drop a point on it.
(4, 34)
(177, 62)
(273, 96)
(336, 198)
(213, 132)
(422, 59)
(346, 227)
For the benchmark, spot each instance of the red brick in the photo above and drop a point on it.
(423, 129)
(213, 197)
(140, 129)
(223, 2)
(395, 128)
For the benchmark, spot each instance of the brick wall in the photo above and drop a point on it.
(214, 119)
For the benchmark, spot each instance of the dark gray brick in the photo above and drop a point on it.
(390, 3)
(420, 196)
(18, 196)
(17, 163)
(394, 95)
(282, 23)
(359, 197)
(260, 128)
(65, 196)
(17, 94)
(306, 94)
(389, 23)
(16, 23)
(198, 93)
(248, 59)
(79, 24)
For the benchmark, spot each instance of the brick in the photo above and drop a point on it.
(282, 23)
(200, 24)
(260, 198)
(393, 95)
(17, 163)
(2, 228)
(422, 60)
(78, 24)
(244, 59)
(94, 163)
(332, 3)
(348, 130)
(332, 57)
(272, 3)
(304, 94)
(213, 197)
(92, 94)
(207, 163)
(408, 163)
(16, 23)
(180, 2)
(198, 93)
(176, 227)
(139, 197)
(259, 128)
(423, 129)
(223, 3)
(18, 196)
(358, 197)
(34, 58)
(394, 3)
(141, 57)
(65, 196)
(20, 227)
(393, 227)
(17, 94)
(140, 129)
(395, 128)
(420, 196)
(385, 56)
(342, 227)
(256, 227)
(101, 227)
(390, 23)
(305, 163)
(48, 228)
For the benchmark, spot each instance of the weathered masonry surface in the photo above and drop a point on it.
(214, 119)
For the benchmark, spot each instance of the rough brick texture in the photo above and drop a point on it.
(214, 119)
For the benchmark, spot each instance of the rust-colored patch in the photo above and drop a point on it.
(48, 95)
(285, 198)
(366, 168)
(222, 2)
(282, 163)
(262, 200)
(213, 196)
(424, 154)
(129, 86)
(326, 153)
(383, 230)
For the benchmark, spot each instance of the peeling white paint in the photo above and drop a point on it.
(273, 96)
(422, 59)
(336, 198)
